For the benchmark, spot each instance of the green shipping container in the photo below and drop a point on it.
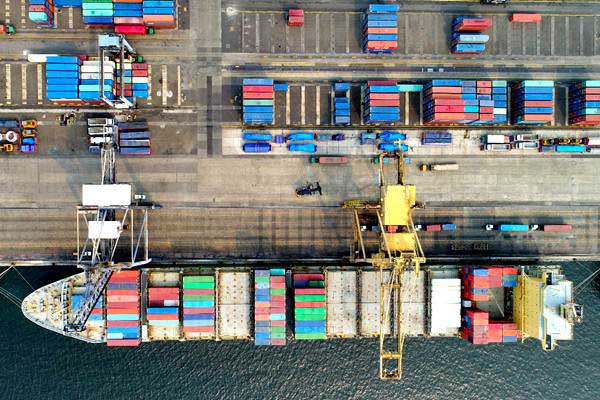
(316, 284)
(277, 335)
(309, 297)
(261, 279)
(310, 311)
(278, 329)
(277, 271)
(198, 285)
(278, 292)
(310, 336)
(309, 317)
(202, 297)
(200, 278)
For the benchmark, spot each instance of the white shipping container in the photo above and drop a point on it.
(497, 139)
(139, 79)
(39, 58)
(500, 111)
(106, 195)
(96, 75)
(594, 141)
(95, 69)
(104, 229)
(97, 63)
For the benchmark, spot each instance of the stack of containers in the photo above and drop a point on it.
(476, 326)
(89, 86)
(135, 80)
(510, 332)
(510, 277)
(41, 12)
(199, 306)
(532, 102)
(380, 28)
(584, 103)
(269, 307)
(134, 138)
(160, 14)
(123, 309)
(389, 141)
(476, 284)
(98, 12)
(455, 101)
(62, 78)
(467, 35)
(495, 332)
(381, 102)
(163, 306)
(341, 104)
(310, 311)
(97, 314)
(258, 97)
(128, 16)
(436, 138)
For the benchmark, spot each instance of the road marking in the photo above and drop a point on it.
(257, 33)
(8, 84)
(406, 107)
(405, 33)
(272, 20)
(508, 41)
(40, 87)
(538, 33)
(288, 117)
(287, 39)
(594, 39)
(243, 30)
(581, 36)
(331, 34)
(552, 22)
(347, 33)
(318, 105)
(317, 30)
(23, 13)
(164, 87)
(567, 47)
(523, 47)
(303, 105)
(178, 85)
(149, 99)
(70, 17)
(7, 12)
(302, 39)
(24, 83)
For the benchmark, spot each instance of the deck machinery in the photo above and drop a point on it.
(399, 250)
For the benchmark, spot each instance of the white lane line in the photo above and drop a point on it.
(347, 33)
(317, 30)
(406, 107)
(149, 100)
(538, 34)
(257, 36)
(7, 12)
(23, 13)
(24, 83)
(243, 30)
(288, 117)
(318, 105)
(40, 87)
(303, 105)
(70, 17)
(178, 85)
(552, 22)
(8, 84)
(164, 87)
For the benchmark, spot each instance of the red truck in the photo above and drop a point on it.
(557, 228)
(295, 17)
(328, 160)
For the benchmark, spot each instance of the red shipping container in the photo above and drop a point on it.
(310, 304)
(380, 31)
(484, 84)
(486, 117)
(261, 317)
(162, 317)
(444, 89)
(258, 89)
(198, 310)
(122, 324)
(277, 310)
(590, 97)
(121, 304)
(479, 341)
(484, 90)
(255, 95)
(309, 291)
(97, 311)
(525, 17)
(382, 45)
(198, 329)
(277, 323)
(121, 292)
(309, 277)
(435, 96)
(278, 342)
(262, 304)
(277, 298)
(537, 117)
(510, 271)
(448, 116)
(486, 110)
(381, 83)
(123, 342)
(433, 228)
(277, 304)
(448, 102)
(278, 279)
(195, 292)
(262, 310)
(278, 285)
(384, 96)
(384, 103)
(538, 103)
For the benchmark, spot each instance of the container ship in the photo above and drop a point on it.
(494, 304)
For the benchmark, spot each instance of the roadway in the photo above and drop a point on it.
(217, 205)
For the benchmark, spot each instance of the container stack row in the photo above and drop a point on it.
(436, 138)
(468, 36)
(503, 332)
(389, 141)
(381, 102)
(532, 102)
(458, 101)
(135, 80)
(129, 17)
(123, 309)
(584, 103)
(341, 104)
(476, 284)
(380, 28)
(160, 14)
(199, 306)
(98, 12)
(97, 314)
(134, 138)
(163, 306)
(258, 101)
(269, 307)
(310, 313)
(41, 12)
(256, 142)
(475, 327)
(62, 78)
(89, 86)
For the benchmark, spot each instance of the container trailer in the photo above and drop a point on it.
(302, 147)
(439, 167)
(498, 139)
(511, 227)
(300, 136)
(556, 228)
(328, 160)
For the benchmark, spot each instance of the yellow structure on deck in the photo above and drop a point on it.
(399, 250)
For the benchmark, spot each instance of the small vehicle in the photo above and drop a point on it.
(303, 147)
(11, 136)
(100, 130)
(29, 124)
(7, 29)
(309, 190)
(494, 2)
(561, 141)
(139, 197)
(100, 139)
(526, 137)
(577, 141)
(29, 133)
(295, 17)
(546, 142)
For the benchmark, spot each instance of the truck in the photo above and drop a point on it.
(435, 227)
(100, 122)
(439, 167)
(498, 139)
(511, 227)
(328, 160)
(527, 145)
(496, 147)
(527, 137)
(302, 147)
(299, 136)
(556, 228)
(295, 17)
(100, 130)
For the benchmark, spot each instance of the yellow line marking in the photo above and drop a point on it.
(164, 86)
(178, 85)
(8, 84)
(149, 84)
(24, 83)
(70, 18)
(40, 88)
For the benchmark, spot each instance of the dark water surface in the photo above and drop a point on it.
(39, 364)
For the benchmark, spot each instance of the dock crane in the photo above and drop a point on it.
(105, 210)
(398, 251)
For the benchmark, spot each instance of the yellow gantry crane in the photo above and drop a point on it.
(399, 251)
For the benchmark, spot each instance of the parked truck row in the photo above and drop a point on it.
(529, 228)
(496, 142)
